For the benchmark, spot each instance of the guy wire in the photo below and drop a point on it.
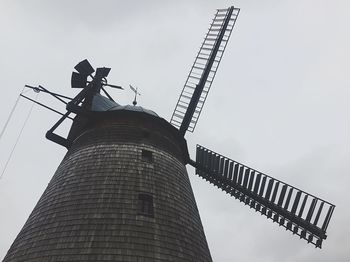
(19, 135)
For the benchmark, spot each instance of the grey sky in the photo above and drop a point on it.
(279, 103)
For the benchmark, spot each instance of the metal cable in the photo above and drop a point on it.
(10, 115)
(18, 137)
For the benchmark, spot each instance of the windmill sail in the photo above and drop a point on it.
(201, 76)
(300, 212)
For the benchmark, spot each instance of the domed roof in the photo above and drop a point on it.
(133, 108)
(101, 103)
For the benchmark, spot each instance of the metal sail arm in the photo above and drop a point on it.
(302, 213)
(42, 105)
(44, 90)
(201, 76)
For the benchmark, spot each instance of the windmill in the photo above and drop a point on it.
(122, 192)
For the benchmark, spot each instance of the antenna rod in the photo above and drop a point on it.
(40, 104)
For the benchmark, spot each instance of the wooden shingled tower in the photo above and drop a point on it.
(122, 192)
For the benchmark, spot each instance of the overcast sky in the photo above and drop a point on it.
(279, 103)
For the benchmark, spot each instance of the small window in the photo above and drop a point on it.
(145, 205)
(147, 156)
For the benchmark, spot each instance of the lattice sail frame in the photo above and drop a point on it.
(204, 68)
(271, 197)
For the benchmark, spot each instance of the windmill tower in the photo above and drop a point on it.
(122, 192)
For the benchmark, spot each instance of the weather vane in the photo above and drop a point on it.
(136, 93)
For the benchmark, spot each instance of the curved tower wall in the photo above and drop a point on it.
(121, 193)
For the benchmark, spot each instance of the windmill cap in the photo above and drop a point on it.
(101, 104)
(135, 109)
